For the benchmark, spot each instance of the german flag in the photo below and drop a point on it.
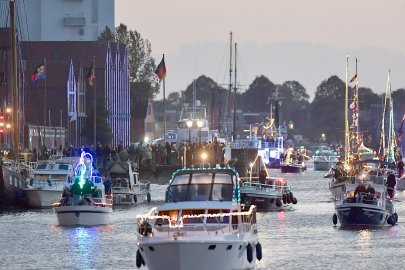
(91, 75)
(354, 78)
(161, 69)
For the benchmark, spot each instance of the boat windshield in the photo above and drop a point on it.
(201, 187)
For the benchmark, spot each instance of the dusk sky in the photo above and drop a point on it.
(282, 39)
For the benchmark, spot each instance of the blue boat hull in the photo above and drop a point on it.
(360, 214)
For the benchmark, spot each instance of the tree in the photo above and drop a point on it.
(256, 98)
(295, 104)
(327, 110)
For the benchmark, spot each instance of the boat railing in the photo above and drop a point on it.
(267, 187)
(226, 223)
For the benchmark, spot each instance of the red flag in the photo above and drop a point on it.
(161, 69)
(91, 75)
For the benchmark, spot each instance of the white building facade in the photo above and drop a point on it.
(62, 20)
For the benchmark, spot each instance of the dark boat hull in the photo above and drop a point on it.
(360, 214)
(291, 169)
(11, 184)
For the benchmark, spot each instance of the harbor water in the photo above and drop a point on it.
(301, 238)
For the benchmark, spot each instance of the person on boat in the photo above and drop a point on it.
(400, 166)
(76, 191)
(96, 192)
(87, 187)
(262, 177)
(370, 192)
(391, 182)
(360, 189)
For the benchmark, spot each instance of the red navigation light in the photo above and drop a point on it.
(1, 130)
(1, 116)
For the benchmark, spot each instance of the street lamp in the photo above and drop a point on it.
(203, 157)
(189, 124)
(323, 136)
(199, 125)
(291, 125)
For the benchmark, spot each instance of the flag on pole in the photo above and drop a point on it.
(91, 75)
(161, 69)
(39, 73)
(354, 78)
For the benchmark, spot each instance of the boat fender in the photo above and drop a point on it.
(334, 219)
(258, 251)
(249, 253)
(139, 259)
(278, 202)
(288, 198)
(284, 198)
(294, 200)
(135, 198)
(77, 214)
(291, 196)
(391, 220)
(396, 217)
(148, 197)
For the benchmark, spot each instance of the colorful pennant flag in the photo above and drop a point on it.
(354, 78)
(39, 73)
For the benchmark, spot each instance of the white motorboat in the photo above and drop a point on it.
(324, 162)
(48, 181)
(84, 201)
(127, 188)
(202, 225)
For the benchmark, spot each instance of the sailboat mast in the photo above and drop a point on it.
(358, 109)
(234, 99)
(346, 113)
(14, 77)
(230, 84)
(381, 151)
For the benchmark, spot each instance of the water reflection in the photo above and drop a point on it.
(363, 242)
(83, 245)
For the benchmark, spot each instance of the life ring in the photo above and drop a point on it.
(249, 253)
(258, 251)
(391, 220)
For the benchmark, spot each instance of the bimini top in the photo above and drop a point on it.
(204, 184)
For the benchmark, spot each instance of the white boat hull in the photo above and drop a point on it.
(86, 215)
(198, 254)
(40, 198)
(128, 198)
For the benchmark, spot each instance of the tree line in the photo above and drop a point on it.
(323, 115)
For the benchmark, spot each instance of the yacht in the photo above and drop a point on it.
(202, 224)
(48, 181)
(84, 201)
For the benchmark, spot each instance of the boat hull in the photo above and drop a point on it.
(197, 255)
(322, 165)
(291, 169)
(11, 184)
(83, 215)
(40, 198)
(128, 198)
(360, 214)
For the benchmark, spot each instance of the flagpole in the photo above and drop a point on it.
(95, 103)
(164, 106)
(43, 146)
